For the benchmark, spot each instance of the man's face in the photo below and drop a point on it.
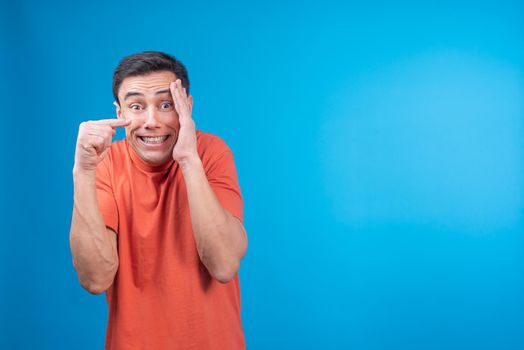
(147, 101)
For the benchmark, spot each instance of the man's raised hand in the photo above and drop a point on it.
(186, 144)
(92, 144)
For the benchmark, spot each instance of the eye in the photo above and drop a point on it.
(135, 107)
(166, 105)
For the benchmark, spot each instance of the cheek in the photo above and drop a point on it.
(172, 121)
(135, 124)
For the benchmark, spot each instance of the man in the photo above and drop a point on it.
(157, 217)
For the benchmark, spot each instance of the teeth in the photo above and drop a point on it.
(156, 139)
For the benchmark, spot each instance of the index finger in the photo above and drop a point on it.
(114, 123)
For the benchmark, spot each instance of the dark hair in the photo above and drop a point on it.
(147, 62)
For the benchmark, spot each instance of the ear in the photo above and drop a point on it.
(118, 110)
(190, 100)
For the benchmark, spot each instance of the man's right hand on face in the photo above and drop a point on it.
(92, 144)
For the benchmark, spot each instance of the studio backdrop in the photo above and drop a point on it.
(379, 148)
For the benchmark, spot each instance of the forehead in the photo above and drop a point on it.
(147, 84)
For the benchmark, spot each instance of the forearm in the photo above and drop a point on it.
(95, 256)
(220, 237)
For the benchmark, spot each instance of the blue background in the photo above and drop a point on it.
(379, 147)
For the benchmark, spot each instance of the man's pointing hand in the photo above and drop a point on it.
(92, 144)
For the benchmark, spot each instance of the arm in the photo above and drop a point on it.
(93, 246)
(220, 237)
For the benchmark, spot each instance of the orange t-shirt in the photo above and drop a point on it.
(163, 297)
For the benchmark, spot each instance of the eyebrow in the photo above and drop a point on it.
(132, 93)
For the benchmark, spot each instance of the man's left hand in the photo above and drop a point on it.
(186, 145)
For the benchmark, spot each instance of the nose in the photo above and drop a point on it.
(152, 119)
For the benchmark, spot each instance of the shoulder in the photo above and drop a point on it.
(115, 156)
(213, 150)
(118, 150)
(208, 143)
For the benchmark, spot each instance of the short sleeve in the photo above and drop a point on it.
(105, 195)
(222, 176)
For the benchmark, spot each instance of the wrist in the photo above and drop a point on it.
(189, 163)
(83, 176)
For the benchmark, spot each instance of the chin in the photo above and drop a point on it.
(155, 159)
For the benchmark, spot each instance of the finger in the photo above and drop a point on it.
(180, 91)
(181, 104)
(100, 145)
(114, 123)
(104, 134)
(181, 109)
(102, 128)
(177, 98)
(183, 91)
(104, 131)
(97, 142)
(180, 87)
(172, 88)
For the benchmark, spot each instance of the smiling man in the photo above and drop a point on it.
(157, 217)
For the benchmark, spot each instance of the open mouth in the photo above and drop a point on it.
(153, 140)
